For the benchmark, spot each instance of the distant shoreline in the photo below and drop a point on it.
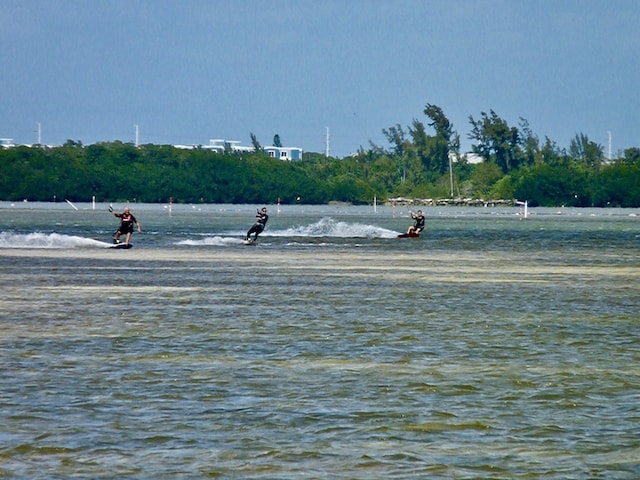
(450, 202)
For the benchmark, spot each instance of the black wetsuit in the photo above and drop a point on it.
(127, 220)
(419, 225)
(258, 227)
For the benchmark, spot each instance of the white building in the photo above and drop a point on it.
(7, 143)
(220, 146)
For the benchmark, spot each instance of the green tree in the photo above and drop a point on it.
(397, 138)
(495, 141)
(550, 154)
(530, 145)
(484, 177)
(548, 186)
(584, 151)
(631, 156)
(618, 185)
(421, 145)
(445, 141)
(256, 144)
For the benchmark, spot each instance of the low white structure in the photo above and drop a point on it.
(7, 143)
(221, 146)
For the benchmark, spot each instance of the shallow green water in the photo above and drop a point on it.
(493, 347)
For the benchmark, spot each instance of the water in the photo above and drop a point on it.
(493, 347)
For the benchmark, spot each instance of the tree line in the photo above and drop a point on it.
(422, 160)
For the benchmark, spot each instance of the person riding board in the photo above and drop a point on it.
(127, 220)
(258, 227)
(418, 225)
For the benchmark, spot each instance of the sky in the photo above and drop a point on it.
(187, 71)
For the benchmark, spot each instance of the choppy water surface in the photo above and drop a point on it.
(493, 347)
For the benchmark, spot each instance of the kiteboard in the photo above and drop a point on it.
(249, 242)
(409, 235)
(122, 245)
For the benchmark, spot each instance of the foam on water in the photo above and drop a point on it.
(47, 240)
(215, 241)
(328, 227)
(325, 228)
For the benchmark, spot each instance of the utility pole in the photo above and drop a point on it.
(451, 173)
(326, 145)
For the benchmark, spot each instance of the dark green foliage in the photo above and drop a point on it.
(418, 164)
(256, 144)
(549, 186)
(154, 173)
(618, 186)
(584, 151)
(496, 141)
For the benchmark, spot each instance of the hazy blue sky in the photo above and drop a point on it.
(187, 71)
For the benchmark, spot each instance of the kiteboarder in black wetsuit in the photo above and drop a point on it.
(127, 220)
(258, 227)
(418, 226)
